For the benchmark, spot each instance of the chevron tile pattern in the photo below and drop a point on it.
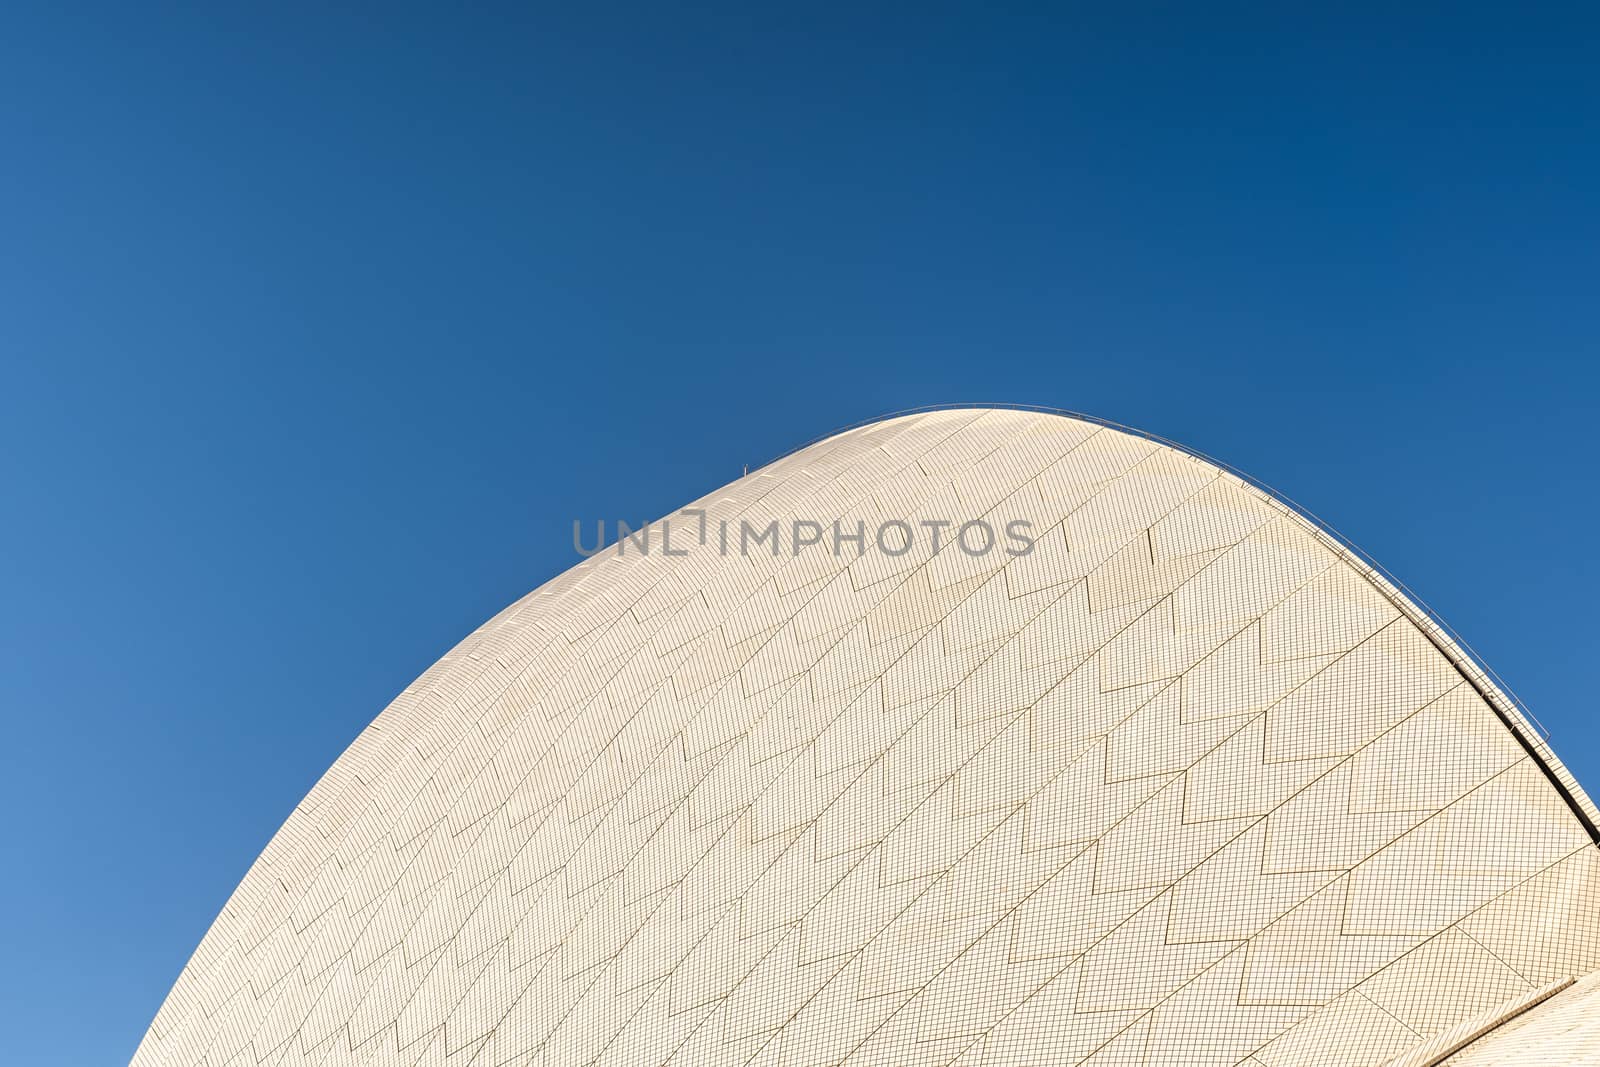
(1186, 784)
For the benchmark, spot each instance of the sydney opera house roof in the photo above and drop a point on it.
(1186, 782)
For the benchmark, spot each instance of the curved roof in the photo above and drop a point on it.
(1188, 782)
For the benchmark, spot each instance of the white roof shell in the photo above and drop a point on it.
(1188, 784)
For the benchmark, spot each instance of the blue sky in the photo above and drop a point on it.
(317, 329)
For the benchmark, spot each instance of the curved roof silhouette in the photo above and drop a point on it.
(1186, 783)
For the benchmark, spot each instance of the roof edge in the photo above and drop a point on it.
(1523, 725)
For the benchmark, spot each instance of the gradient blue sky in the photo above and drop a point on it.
(317, 329)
